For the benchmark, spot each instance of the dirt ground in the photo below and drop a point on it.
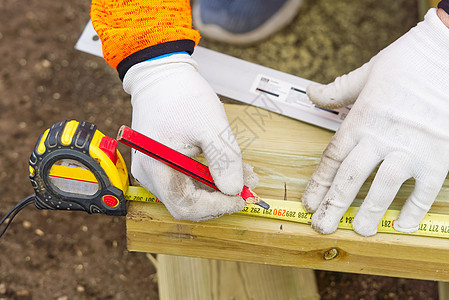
(43, 79)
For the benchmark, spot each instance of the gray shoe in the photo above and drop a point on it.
(242, 21)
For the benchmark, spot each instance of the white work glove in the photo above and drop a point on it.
(173, 104)
(400, 120)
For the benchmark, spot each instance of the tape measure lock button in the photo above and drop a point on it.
(110, 200)
(109, 146)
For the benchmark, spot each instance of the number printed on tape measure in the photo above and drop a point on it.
(304, 215)
(141, 198)
(278, 213)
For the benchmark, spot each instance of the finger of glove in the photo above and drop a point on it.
(321, 180)
(342, 92)
(386, 184)
(225, 161)
(189, 199)
(417, 205)
(350, 177)
(250, 178)
(184, 197)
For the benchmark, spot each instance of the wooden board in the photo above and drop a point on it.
(285, 152)
(150, 228)
(197, 278)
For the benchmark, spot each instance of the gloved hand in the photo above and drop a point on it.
(400, 120)
(174, 105)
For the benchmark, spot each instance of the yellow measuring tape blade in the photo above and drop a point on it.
(433, 225)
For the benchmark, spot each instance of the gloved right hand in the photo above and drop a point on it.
(173, 104)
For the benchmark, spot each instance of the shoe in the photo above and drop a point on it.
(242, 22)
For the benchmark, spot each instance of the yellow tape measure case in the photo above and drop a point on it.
(76, 167)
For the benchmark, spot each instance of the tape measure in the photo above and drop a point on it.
(433, 225)
(76, 167)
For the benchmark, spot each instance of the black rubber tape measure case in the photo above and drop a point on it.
(76, 167)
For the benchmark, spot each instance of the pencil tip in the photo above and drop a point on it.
(255, 199)
(263, 204)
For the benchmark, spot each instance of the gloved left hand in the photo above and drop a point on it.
(400, 120)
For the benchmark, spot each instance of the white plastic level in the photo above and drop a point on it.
(247, 82)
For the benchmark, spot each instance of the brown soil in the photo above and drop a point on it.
(43, 79)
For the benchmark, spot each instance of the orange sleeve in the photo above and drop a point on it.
(132, 31)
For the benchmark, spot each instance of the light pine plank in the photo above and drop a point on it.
(150, 228)
(443, 290)
(197, 279)
(285, 152)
